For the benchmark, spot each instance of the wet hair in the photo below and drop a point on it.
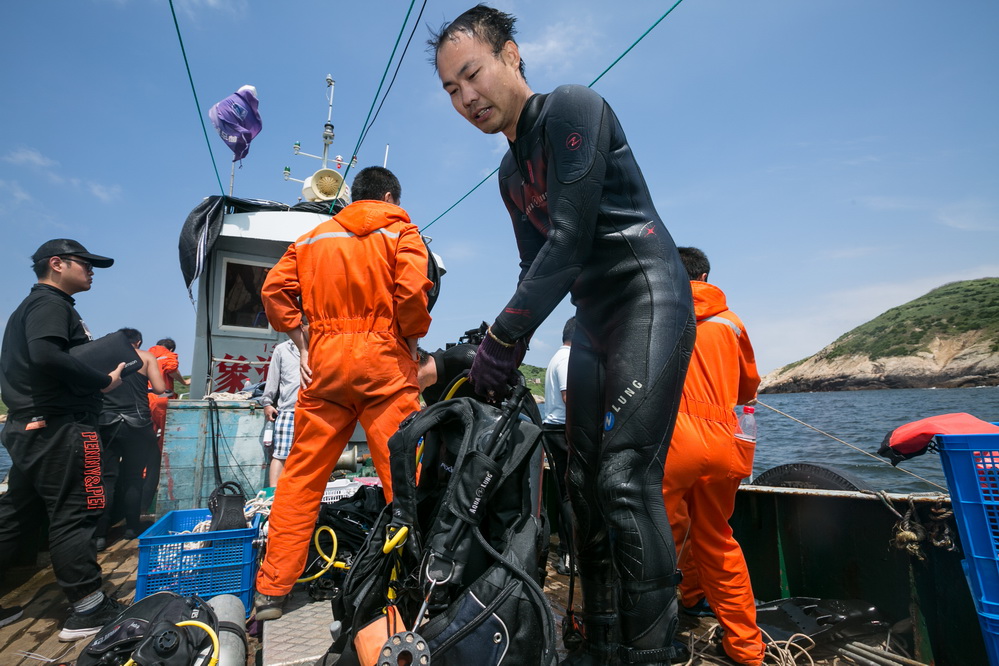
(168, 343)
(132, 335)
(373, 182)
(568, 330)
(695, 261)
(490, 25)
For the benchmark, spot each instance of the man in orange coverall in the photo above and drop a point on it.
(705, 464)
(361, 281)
(169, 363)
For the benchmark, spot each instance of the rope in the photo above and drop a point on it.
(374, 101)
(616, 60)
(197, 104)
(855, 448)
(398, 66)
(706, 649)
(635, 43)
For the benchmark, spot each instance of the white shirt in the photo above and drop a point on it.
(555, 383)
(283, 378)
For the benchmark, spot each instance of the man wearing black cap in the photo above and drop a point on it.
(51, 434)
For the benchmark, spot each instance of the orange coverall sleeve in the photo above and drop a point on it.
(749, 376)
(411, 284)
(282, 291)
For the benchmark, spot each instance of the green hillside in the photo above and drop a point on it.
(535, 378)
(955, 308)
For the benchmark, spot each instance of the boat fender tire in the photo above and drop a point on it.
(811, 476)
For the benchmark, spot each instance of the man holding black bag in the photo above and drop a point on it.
(51, 432)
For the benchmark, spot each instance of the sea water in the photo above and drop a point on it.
(860, 418)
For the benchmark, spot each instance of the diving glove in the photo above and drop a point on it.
(494, 369)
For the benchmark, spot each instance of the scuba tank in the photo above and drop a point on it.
(232, 629)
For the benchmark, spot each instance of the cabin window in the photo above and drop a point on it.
(242, 306)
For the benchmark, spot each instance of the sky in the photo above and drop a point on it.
(834, 158)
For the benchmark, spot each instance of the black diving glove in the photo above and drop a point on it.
(494, 369)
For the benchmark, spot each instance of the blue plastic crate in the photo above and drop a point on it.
(990, 634)
(206, 563)
(971, 464)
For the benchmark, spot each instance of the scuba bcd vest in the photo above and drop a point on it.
(465, 579)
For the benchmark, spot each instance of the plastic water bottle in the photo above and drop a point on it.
(747, 423)
(268, 434)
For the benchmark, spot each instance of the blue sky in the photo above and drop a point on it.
(833, 158)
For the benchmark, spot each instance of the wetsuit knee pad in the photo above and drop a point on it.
(620, 481)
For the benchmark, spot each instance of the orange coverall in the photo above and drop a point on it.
(704, 466)
(361, 279)
(169, 363)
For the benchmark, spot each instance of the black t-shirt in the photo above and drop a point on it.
(54, 383)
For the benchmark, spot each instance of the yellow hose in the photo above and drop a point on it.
(454, 389)
(211, 634)
(330, 559)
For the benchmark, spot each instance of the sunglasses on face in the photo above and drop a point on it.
(87, 266)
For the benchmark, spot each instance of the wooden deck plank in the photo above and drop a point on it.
(46, 608)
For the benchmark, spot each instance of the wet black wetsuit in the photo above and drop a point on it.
(585, 223)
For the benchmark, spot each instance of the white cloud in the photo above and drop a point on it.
(782, 340)
(863, 159)
(34, 159)
(970, 215)
(558, 47)
(13, 192)
(191, 7)
(29, 157)
(106, 193)
(967, 215)
(891, 203)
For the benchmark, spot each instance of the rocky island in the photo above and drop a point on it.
(948, 338)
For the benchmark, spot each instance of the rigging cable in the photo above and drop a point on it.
(364, 126)
(616, 60)
(197, 104)
(855, 448)
(364, 133)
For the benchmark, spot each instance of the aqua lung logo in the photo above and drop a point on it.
(536, 202)
(608, 420)
(629, 393)
(480, 492)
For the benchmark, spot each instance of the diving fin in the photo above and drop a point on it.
(822, 620)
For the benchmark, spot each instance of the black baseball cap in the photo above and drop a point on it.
(65, 246)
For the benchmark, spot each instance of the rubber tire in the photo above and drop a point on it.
(810, 476)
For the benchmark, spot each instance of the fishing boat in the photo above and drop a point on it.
(806, 534)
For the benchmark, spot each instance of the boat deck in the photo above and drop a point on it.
(33, 640)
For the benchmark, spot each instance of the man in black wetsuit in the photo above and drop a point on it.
(585, 223)
(51, 432)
